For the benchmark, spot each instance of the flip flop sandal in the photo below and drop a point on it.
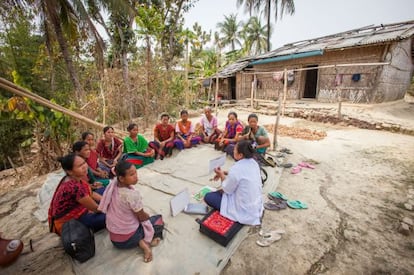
(306, 165)
(271, 205)
(268, 234)
(286, 165)
(286, 150)
(271, 161)
(272, 195)
(296, 170)
(297, 205)
(267, 241)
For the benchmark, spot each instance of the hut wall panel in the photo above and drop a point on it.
(395, 78)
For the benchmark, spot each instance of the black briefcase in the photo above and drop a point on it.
(219, 228)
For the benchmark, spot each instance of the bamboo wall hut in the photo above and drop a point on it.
(372, 64)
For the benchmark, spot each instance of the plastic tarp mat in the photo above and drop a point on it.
(184, 250)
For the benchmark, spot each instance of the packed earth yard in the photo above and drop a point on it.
(360, 197)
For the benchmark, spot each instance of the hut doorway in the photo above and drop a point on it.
(233, 87)
(311, 82)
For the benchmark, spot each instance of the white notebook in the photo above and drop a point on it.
(181, 202)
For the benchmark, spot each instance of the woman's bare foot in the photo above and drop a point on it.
(155, 241)
(147, 251)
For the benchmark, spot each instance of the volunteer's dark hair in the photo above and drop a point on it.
(245, 147)
(67, 161)
(121, 168)
(252, 116)
(77, 146)
(131, 126)
(232, 113)
(86, 134)
(106, 128)
(183, 112)
(165, 115)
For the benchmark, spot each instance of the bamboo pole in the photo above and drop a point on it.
(339, 102)
(15, 89)
(278, 115)
(252, 91)
(284, 91)
(252, 72)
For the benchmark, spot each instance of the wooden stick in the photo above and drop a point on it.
(12, 165)
(13, 88)
(284, 91)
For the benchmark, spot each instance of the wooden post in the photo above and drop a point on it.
(252, 91)
(339, 102)
(284, 91)
(278, 112)
(217, 81)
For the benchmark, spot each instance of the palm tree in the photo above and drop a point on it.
(254, 35)
(230, 29)
(67, 22)
(265, 6)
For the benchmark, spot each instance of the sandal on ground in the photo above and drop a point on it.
(296, 204)
(286, 150)
(270, 161)
(268, 234)
(306, 165)
(286, 165)
(268, 240)
(296, 170)
(272, 205)
(273, 195)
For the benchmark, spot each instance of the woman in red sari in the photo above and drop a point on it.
(74, 199)
(109, 149)
(164, 133)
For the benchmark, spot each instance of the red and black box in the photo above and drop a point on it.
(219, 228)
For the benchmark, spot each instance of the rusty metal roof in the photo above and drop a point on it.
(369, 35)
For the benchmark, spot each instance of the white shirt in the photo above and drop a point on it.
(242, 197)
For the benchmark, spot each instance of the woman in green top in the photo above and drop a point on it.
(257, 134)
(136, 148)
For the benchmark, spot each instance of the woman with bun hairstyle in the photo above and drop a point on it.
(73, 197)
(240, 197)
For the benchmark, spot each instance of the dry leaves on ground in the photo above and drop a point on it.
(296, 132)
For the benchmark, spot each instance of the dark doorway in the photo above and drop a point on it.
(233, 87)
(311, 82)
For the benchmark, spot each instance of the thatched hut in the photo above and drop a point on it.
(372, 64)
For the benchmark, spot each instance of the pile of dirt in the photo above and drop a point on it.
(296, 132)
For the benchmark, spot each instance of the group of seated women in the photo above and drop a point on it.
(86, 194)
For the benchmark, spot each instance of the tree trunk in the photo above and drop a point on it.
(268, 24)
(66, 54)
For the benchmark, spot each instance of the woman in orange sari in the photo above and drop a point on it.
(74, 199)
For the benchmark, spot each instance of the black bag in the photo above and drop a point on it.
(158, 224)
(78, 240)
(219, 228)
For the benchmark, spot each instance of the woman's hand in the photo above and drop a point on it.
(220, 174)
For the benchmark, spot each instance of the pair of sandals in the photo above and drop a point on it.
(301, 165)
(9, 251)
(267, 238)
(279, 201)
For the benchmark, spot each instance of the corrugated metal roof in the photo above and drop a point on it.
(231, 69)
(354, 38)
(369, 35)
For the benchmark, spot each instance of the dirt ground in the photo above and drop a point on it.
(355, 194)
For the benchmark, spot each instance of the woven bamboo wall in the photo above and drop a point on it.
(377, 83)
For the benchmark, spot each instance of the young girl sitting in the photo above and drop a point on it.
(128, 224)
